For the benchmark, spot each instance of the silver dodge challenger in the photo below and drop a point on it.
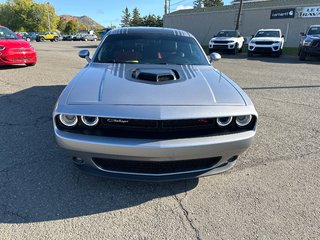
(149, 106)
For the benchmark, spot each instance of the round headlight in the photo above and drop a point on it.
(224, 121)
(90, 121)
(243, 120)
(68, 120)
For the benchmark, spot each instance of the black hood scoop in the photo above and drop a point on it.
(155, 75)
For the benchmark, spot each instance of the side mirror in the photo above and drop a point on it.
(302, 34)
(282, 36)
(252, 36)
(85, 54)
(214, 57)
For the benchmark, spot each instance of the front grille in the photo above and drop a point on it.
(263, 49)
(222, 47)
(225, 42)
(264, 43)
(151, 167)
(156, 129)
(315, 44)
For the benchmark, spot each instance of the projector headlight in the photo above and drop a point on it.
(224, 121)
(68, 120)
(243, 121)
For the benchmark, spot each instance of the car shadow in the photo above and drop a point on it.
(38, 181)
(284, 58)
(12, 67)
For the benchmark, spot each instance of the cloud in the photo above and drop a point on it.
(182, 7)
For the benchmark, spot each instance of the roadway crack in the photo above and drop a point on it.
(186, 213)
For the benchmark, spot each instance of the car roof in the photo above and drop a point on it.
(150, 30)
(315, 26)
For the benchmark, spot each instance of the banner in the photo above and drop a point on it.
(308, 12)
(282, 13)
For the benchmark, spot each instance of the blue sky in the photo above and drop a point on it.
(106, 12)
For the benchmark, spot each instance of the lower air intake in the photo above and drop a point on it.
(151, 167)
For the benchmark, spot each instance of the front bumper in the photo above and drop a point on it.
(264, 48)
(222, 47)
(87, 148)
(18, 58)
(312, 51)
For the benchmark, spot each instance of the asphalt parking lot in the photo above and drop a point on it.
(272, 193)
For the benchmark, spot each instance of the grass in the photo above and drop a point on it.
(290, 51)
(286, 50)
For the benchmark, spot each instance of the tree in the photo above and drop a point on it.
(152, 21)
(208, 3)
(28, 15)
(126, 18)
(71, 27)
(136, 19)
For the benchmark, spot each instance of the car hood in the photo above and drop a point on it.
(224, 38)
(14, 43)
(113, 84)
(267, 39)
(313, 37)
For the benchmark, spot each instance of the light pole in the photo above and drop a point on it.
(48, 16)
(239, 15)
(165, 7)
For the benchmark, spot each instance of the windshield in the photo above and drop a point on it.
(227, 34)
(268, 34)
(150, 49)
(5, 33)
(314, 31)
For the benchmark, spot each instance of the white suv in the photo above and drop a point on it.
(226, 40)
(266, 41)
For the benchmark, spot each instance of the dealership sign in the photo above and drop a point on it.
(282, 13)
(308, 12)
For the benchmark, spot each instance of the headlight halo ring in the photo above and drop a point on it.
(68, 121)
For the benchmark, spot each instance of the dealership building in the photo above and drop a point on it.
(291, 16)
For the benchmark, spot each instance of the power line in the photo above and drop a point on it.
(172, 4)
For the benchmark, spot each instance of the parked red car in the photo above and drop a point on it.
(14, 50)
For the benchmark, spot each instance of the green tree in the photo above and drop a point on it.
(152, 21)
(71, 27)
(28, 15)
(136, 19)
(62, 24)
(208, 3)
(126, 18)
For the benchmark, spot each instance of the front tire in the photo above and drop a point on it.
(241, 49)
(302, 55)
(55, 39)
(278, 54)
(234, 51)
(42, 39)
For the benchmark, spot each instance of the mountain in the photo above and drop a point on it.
(82, 20)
